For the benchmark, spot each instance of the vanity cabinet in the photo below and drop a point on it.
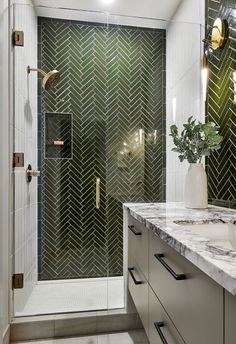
(172, 292)
(193, 300)
(230, 318)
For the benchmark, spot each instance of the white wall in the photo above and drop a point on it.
(5, 166)
(183, 84)
(25, 130)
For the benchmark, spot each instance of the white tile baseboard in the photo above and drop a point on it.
(76, 325)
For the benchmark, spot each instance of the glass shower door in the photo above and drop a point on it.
(73, 234)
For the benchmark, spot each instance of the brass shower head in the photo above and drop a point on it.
(49, 79)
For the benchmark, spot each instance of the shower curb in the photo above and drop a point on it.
(69, 325)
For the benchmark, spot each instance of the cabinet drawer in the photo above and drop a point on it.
(160, 324)
(195, 304)
(138, 288)
(138, 245)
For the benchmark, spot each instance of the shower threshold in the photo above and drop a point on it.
(77, 295)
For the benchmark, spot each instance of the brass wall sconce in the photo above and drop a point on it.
(218, 34)
(216, 39)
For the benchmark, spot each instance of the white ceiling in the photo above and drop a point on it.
(155, 9)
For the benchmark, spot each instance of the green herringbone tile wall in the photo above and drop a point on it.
(113, 83)
(221, 109)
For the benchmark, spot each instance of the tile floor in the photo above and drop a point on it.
(51, 297)
(130, 337)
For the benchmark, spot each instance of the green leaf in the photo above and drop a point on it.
(195, 140)
(175, 150)
(174, 129)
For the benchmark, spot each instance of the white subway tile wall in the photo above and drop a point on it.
(25, 140)
(183, 85)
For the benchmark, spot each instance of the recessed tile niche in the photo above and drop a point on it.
(58, 136)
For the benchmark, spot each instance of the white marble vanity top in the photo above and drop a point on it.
(171, 222)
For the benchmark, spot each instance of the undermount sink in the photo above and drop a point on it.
(220, 234)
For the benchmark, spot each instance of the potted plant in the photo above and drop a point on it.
(195, 141)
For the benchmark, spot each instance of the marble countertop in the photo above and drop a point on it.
(166, 220)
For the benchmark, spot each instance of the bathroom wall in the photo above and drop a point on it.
(25, 140)
(221, 109)
(113, 83)
(183, 84)
(5, 169)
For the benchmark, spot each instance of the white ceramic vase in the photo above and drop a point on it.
(196, 195)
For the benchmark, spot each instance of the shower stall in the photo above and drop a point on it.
(98, 137)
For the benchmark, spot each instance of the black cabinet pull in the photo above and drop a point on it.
(158, 326)
(133, 277)
(131, 227)
(178, 277)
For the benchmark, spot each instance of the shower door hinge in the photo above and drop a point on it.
(18, 281)
(18, 38)
(18, 159)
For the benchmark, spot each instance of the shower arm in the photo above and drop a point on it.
(36, 70)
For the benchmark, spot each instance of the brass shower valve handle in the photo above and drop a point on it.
(30, 173)
(33, 173)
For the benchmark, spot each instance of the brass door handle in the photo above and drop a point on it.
(98, 192)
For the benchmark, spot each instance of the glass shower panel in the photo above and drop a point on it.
(135, 115)
(102, 141)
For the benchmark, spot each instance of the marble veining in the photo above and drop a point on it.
(166, 220)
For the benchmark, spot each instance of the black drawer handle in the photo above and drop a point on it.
(131, 227)
(178, 277)
(133, 277)
(158, 326)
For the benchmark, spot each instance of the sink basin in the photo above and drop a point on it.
(220, 234)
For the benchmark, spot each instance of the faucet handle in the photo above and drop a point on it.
(36, 173)
(31, 173)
